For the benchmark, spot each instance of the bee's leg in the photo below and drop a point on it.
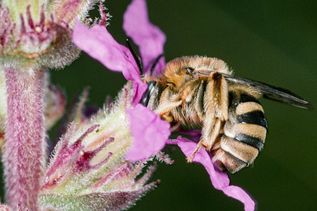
(192, 156)
(175, 127)
(189, 90)
(167, 117)
(216, 108)
(189, 93)
(168, 102)
(165, 108)
(216, 111)
(199, 100)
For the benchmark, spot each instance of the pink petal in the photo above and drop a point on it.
(149, 133)
(99, 44)
(147, 36)
(219, 180)
(139, 89)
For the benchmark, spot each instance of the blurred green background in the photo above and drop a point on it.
(267, 40)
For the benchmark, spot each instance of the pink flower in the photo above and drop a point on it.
(149, 133)
(99, 44)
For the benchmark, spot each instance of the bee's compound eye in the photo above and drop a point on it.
(189, 70)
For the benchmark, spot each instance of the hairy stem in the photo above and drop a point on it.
(24, 151)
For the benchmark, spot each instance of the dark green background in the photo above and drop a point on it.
(270, 41)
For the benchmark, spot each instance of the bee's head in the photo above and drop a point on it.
(180, 70)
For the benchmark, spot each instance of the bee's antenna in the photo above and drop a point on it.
(137, 58)
(155, 62)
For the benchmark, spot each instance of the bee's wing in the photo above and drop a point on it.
(271, 92)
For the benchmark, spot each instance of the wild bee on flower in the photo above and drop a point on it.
(195, 92)
(201, 92)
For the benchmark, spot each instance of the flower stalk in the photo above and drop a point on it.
(24, 146)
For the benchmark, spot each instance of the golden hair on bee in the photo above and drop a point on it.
(201, 92)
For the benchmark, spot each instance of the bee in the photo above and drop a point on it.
(201, 92)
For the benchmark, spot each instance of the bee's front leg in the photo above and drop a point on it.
(168, 102)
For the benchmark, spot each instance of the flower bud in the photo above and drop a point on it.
(38, 33)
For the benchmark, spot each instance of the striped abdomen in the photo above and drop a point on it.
(244, 133)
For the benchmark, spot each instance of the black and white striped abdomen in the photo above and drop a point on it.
(244, 133)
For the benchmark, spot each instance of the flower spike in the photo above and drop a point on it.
(89, 170)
